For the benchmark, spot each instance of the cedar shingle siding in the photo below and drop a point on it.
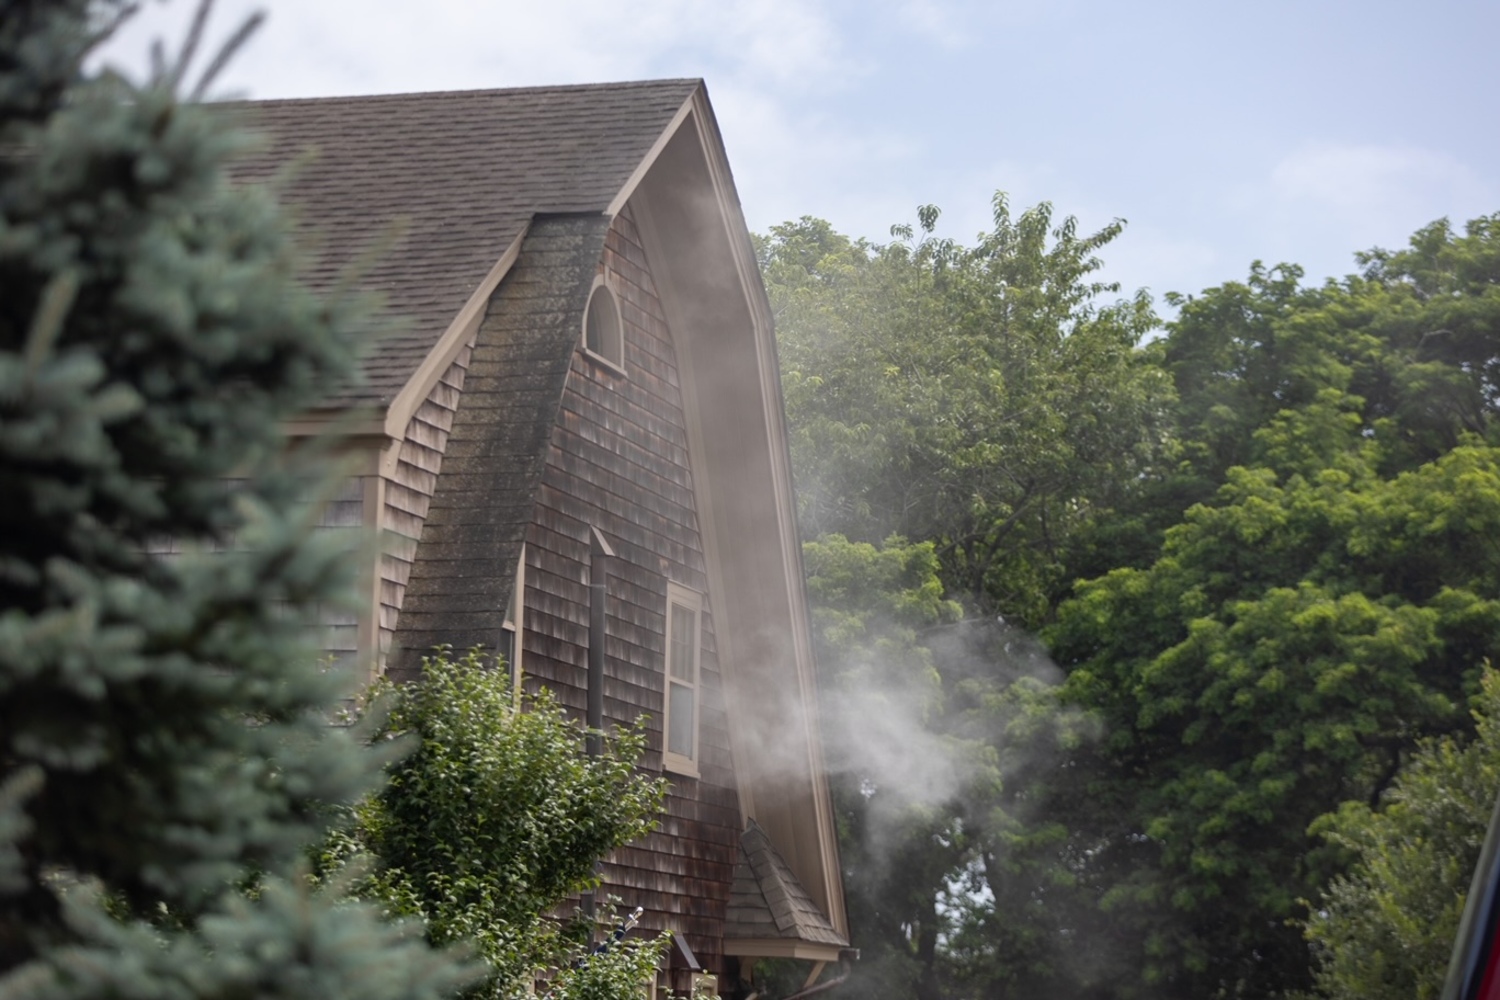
(545, 444)
(618, 461)
(408, 494)
(463, 571)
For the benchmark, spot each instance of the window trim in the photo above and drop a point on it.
(692, 601)
(515, 623)
(617, 364)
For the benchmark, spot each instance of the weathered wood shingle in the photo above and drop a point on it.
(618, 461)
(461, 573)
(768, 903)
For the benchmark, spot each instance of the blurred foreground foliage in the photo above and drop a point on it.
(164, 736)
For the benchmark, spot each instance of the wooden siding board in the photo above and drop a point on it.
(408, 493)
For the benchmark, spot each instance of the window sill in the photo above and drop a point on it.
(615, 366)
(677, 764)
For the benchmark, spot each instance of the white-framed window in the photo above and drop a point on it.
(511, 629)
(603, 332)
(682, 702)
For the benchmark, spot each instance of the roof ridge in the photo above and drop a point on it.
(476, 91)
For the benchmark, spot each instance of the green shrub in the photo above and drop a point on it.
(493, 819)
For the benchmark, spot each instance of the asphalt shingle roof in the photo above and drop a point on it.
(766, 900)
(460, 173)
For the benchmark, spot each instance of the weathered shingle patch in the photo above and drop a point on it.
(464, 568)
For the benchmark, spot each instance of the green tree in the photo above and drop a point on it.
(896, 779)
(1385, 929)
(163, 731)
(1294, 586)
(984, 398)
(938, 730)
(1413, 336)
(1293, 640)
(989, 402)
(1318, 602)
(492, 820)
(1286, 651)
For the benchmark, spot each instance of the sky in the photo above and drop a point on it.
(1282, 131)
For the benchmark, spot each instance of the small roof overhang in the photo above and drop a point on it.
(770, 914)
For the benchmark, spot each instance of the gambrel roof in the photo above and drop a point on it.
(455, 177)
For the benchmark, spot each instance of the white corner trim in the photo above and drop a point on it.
(372, 513)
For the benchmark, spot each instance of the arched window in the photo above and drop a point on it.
(602, 335)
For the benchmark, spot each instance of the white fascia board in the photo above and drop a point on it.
(781, 948)
(769, 371)
(459, 333)
(649, 160)
(730, 220)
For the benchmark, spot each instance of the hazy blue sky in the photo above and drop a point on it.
(1279, 130)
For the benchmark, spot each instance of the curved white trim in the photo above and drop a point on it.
(602, 282)
(753, 288)
(742, 640)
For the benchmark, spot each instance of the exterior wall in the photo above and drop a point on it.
(344, 512)
(408, 493)
(463, 572)
(337, 628)
(618, 461)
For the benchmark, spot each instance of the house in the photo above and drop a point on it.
(574, 446)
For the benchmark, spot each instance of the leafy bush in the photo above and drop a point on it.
(494, 818)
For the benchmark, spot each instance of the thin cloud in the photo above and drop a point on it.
(1318, 204)
(1365, 179)
(943, 23)
(339, 46)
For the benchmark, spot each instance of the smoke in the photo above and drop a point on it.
(953, 722)
(937, 750)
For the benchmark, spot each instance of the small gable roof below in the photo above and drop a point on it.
(770, 913)
(455, 177)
